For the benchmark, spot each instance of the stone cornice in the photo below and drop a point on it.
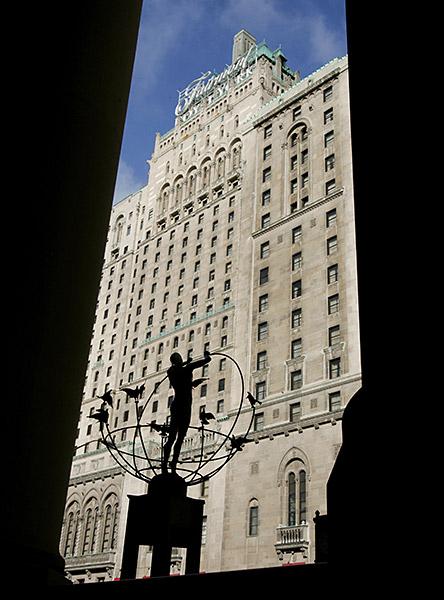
(284, 220)
(95, 475)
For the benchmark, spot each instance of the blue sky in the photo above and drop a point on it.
(180, 39)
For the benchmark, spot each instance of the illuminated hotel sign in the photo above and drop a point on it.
(213, 85)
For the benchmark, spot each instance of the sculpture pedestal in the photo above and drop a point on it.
(164, 518)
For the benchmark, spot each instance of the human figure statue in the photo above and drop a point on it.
(180, 375)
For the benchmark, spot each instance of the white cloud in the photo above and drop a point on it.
(126, 183)
(162, 24)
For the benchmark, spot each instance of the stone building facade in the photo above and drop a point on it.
(242, 241)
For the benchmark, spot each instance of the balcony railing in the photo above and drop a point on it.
(291, 537)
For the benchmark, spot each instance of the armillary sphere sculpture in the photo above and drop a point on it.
(166, 517)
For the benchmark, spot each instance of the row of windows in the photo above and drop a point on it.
(295, 411)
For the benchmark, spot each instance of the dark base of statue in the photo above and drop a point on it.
(165, 518)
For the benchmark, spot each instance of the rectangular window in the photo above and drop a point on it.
(334, 335)
(253, 520)
(293, 162)
(334, 368)
(296, 234)
(296, 111)
(263, 276)
(304, 156)
(293, 185)
(328, 116)
(330, 186)
(330, 217)
(266, 174)
(330, 162)
(260, 391)
(265, 250)
(220, 406)
(296, 261)
(267, 152)
(296, 380)
(296, 348)
(332, 245)
(295, 412)
(261, 360)
(329, 138)
(266, 197)
(263, 302)
(296, 318)
(328, 93)
(222, 364)
(296, 289)
(333, 304)
(258, 424)
(221, 385)
(265, 220)
(334, 401)
(305, 179)
(332, 274)
(262, 330)
(268, 130)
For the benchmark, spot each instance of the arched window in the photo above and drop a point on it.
(110, 523)
(291, 499)
(302, 497)
(90, 528)
(253, 517)
(72, 525)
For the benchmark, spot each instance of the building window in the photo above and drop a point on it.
(297, 110)
(296, 261)
(330, 186)
(223, 341)
(266, 174)
(265, 220)
(334, 368)
(203, 390)
(258, 424)
(253, 520)
(265, 250)
(295, 412)
(204, 531)
(334, 335)
(229, 251)
(261, 360)
(267, 152)
(334, 401)
(296, 380)
(296, 348)
(328, 93)
(332, 274)
(332, 245)
(262, 330)
(333, 304)
(291, 499)
(263, 276)
(305, 179)
(296, 234)
(224, 322)
(266, 197)
(328, 116)
(263, 302)
(260, 391)
(330, 218)
(227, 285)
(296, 289)
(329, 138)
(221, 385)
(222, 364)
(296, 318)
(220, 406)
(268, 130)
(302, 497)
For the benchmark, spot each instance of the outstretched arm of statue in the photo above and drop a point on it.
(197, 382)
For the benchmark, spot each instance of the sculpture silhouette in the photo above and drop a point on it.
(180, 375)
